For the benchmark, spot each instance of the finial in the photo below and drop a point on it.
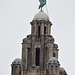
(42, 3)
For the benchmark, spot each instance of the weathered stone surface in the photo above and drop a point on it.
(37, 49)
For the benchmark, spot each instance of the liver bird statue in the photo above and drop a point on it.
(42, 3)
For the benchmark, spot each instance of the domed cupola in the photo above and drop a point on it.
(40, 24)
(62, 71)
(41, 16)
(53, 60)
(17, 61)
(17, 66)
(53, 66)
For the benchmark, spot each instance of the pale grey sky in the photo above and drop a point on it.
(15, 18)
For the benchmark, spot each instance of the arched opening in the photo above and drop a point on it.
(44, 29)
(38, 31)
(20, 73)
(46, 54)
(29, 56)
(37, 56)
(54, 55)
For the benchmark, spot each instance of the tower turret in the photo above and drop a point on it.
(62, 71)
(41, 24)
(17, 68)
(39, 52)
(53, 66)
(39, 46)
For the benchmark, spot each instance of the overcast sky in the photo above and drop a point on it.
(15, 18)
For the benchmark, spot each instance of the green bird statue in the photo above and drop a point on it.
(42, 3)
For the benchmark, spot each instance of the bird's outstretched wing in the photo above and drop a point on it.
(42, 3)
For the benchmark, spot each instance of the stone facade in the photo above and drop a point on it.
(39, 52)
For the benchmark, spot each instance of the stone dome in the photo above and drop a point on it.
(17, 61)
(41, 16)
(53, 60)
(61, 69)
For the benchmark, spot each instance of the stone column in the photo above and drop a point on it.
(49, 68)
(24, 54)
(47, 54)
(35, 28)
(41, 54)
(33, 57)
(45, 58)
(31, 29)
(42, 28)
(50, 50)
(22, 71)
(57, 70)
(49, 29)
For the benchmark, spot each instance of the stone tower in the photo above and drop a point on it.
(39, 52)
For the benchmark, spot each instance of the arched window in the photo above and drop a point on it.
(44, 29)
(29, 56)
(37, 56)
(54, 55)
(46, 54)
(38, 31)
(20, 73)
